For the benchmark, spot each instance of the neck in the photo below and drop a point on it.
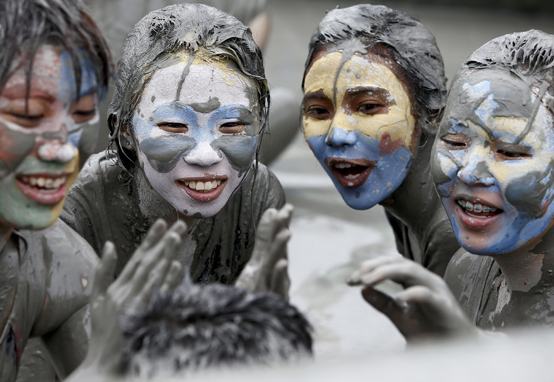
(153, 206)
(414, 202)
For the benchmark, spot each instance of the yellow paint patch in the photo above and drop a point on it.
(359, 72)
(71, 167)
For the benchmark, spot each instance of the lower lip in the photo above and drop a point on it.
(476, 223)
(40, 195)
(203, 196)
(351, 183)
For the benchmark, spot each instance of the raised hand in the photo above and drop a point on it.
(424, 310)
(152, 266)
(267, 269)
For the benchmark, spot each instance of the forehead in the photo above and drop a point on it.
(368, 71)
(197, 79)
(52, 73)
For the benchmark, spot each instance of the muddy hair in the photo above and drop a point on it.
(212, 325)
(25, 25)
(409, 43)
(178, 28)
(525, 54)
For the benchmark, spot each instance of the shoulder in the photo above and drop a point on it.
(266, 187)
(464, 271)
(69, 263)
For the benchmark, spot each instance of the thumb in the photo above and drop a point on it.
(104, 271)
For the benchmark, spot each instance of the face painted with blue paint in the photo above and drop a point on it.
(39, 136)
(357, 119)
(494, 160)
(196, 129)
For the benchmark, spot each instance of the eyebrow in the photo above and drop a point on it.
(317, 95)
(367, 89)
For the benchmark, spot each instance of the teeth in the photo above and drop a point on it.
(41, 182)
(33, 181)
(343, 165)
(469, 206)
(477, 208)
(203, 186)
(486, 209)
(462, 202)
(493, 209)
(47, 183)
(352, 176)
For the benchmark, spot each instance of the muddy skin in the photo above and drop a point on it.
(514, 290)
(421, 227)
(163, 154)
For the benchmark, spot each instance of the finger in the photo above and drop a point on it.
(179, 227)
(265, 233)
(285, 214)
(167, 246)
(278, 249)
(154, 279)
(152, 237)
(369, 265)
(281, 282)
(173, 278)
(407, 273)
(384, 303)
(105, 271)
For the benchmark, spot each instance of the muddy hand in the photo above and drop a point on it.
(424, 310)
(152, 266)
(267, 269)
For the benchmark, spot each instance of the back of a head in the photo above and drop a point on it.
(25, 25)
(412, 45)
(168, 31)
(207, 326)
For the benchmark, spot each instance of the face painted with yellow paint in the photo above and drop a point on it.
(38, 157)
(493, 162)
(196, 128)
(357, 119)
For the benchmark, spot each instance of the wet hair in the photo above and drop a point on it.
(25, 25)
(212, 325)
(408, 42)
(525, 54)
(177, 28)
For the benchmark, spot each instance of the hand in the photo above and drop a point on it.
(426, 309)
(267, 269)
(152, 266)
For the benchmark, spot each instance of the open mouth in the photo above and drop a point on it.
(203, 189)
(350, 172)
(43, 188)
(476, 213)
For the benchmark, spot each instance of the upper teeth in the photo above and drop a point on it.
(48, 183)
(203, 186)
(477, 207)
(343, 165)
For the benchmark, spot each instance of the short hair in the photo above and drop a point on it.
(199, 326)
(25, 25)
(412, 46)
(528, 54)
(175, 28)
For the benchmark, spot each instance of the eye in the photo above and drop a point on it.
(370, 108)
(512, 154)
(28, 114)
(84, 109)
(456, 141)
(232, 128)
(317, 112)
(173, 127)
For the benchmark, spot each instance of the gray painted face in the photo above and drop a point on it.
(163, 153)
(206, 107)
(14, 148)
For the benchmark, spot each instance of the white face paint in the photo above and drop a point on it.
(197, 138)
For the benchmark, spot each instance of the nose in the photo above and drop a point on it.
(203, 155)
(340, 137)
(56, 150)
(476, 170)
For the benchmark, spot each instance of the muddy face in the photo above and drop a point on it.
(196, 129)
(357, 120)
(493, 162)
(39, 136)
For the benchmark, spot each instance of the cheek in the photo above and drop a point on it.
(14, 148)
(444, 169)
(315, 127)
(240, 150)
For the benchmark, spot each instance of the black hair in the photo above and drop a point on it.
(25, 25)
(176, 28)
(412, 46)
(214, 325)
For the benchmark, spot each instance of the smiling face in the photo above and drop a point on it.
(493, 163)
(39, 136)
(357, 119)
(196, 132)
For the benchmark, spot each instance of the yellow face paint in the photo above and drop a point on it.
(361, 86)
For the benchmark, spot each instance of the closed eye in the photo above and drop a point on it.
(456, 141)
(173, 127)
(232, 127)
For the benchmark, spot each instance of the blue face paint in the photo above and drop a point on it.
(482, 158)
(385, 173)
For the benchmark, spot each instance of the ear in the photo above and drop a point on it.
(126, 138)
